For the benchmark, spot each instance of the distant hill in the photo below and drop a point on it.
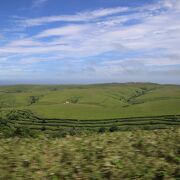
(96, 101)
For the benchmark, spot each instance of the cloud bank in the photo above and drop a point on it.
(110, 44)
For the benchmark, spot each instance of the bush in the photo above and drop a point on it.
(7, 131)
(3, 122)
(11, 131)
(43, 128)
(60, 134)
(12, 115)
(113, 128)
(33, 99)
(101, 130)
(44, 121)
(72, 132)
(24, 132)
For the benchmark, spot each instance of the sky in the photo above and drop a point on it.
(89, 41)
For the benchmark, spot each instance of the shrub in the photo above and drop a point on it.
(7, 131)
(33, 99)
(12, 115)
(3, 122)
(60, 134)
(113, 128)
(101, 130)
(24, 132)
(72, 132)
(43, 128)
(44, 121)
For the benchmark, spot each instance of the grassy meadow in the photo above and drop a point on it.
(101, 101)
(105, 131)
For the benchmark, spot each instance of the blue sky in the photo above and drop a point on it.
(79, 41)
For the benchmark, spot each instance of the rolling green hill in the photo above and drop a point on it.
(101, 101)
(102, 130)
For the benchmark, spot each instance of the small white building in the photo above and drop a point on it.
(67, 102)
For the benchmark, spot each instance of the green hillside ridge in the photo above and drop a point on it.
(105, 131)
(101, 101)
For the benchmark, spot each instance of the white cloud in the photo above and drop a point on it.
(79, 17)
(96, 14)
(25, 43)
(152, 30)
(63, 31)
(38, 3)
(172, 4)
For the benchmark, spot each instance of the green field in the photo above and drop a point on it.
(90, 107)
(105, 131)
(85, 102)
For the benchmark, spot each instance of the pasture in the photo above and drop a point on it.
(105, 131)
(88, 102)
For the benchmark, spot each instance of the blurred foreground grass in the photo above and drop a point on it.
(136, 154)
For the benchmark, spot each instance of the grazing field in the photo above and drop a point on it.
(103, 101)
(107, 131)
(71, 109)
(119, 155)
